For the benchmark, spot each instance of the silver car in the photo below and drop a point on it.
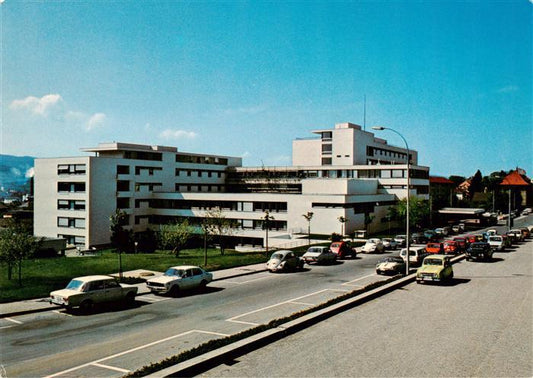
(319, 255)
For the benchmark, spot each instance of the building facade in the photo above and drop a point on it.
(345, 172)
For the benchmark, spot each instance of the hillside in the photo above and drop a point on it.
(15, 172)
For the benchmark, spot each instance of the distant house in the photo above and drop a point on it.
(520, 187)
(441, 191)
(463, 189)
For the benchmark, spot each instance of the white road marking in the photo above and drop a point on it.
(294, 300)
(97, 362)
(14, 321)
(112, 368)
(358, 279)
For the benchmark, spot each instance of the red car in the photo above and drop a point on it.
(435, 248)
(342, 249)
(451, 247)
(462, 242)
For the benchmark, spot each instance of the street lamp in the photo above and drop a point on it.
(407, 236)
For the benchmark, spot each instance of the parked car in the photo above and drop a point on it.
(443, 231)
(479, 251)
(284, 260)
(319, 255)
(496, 242)
(178, 278)
(416, 255)
(519, 236)
(525, 232)
(435, 248)
(418, 238)
(435, 268)
(390, 265)
(513, 237)
(400, 240)
(456, 228)
(431, 235)
(373, 245)
(526, 211)
(343, 249)
(462, 242)
(87, 291)
(389, 243)
(451, 247)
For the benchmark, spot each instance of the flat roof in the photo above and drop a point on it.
(460, 210)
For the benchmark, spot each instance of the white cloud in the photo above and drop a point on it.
(95, 120)
(177, 134)
(30, 173)
(38, 106)
(15, 171)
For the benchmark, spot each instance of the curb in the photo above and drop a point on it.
(204, 362)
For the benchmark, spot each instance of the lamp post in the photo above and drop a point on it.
(407, 236)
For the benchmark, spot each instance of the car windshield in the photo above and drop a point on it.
(75, 285)
(277, 256)
(434, 245)
(174, 272)
(495, 238)
(335, 245)
(392, 259)
(433, 262)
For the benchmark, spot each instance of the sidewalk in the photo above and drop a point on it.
(42, 304)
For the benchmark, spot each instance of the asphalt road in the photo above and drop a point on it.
(114, 341)
(480, 325)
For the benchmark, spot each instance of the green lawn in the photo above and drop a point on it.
(40, 276)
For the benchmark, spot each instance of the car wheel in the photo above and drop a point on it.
(130, 299)
(174, 291)
(86, 306)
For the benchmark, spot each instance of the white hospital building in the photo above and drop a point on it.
(340, 172)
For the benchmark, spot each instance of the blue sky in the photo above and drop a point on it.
(245, 78)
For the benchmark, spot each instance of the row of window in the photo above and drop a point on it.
(71, 204)
(375, 151)
(71, 222)
(209, 205)
(78, 241)
(245, 224)
(71, 169)
(195, 159)
(201, 173)
(71, 187)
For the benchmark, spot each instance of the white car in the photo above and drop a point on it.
(84, 292)
(526, 211)
(416, 255)
(319, 255)
(496, 242)
(179, 278)
(400, 240)
(389, 243)
(373, 245)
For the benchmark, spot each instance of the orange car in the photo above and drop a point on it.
(451, 247)
(435, 248)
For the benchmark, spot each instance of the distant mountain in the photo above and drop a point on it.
(15, 172)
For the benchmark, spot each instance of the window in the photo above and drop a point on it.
(123, 169)
(71, 187)
(71, 169)
(123, 186)
(123, 203)
(70, 222)
(397, 173)
(71, 205)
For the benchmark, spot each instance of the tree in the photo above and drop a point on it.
(418, 210)
(175, 236)
(308, 216)
(219, 226)
(16, 244)
(121, 238)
